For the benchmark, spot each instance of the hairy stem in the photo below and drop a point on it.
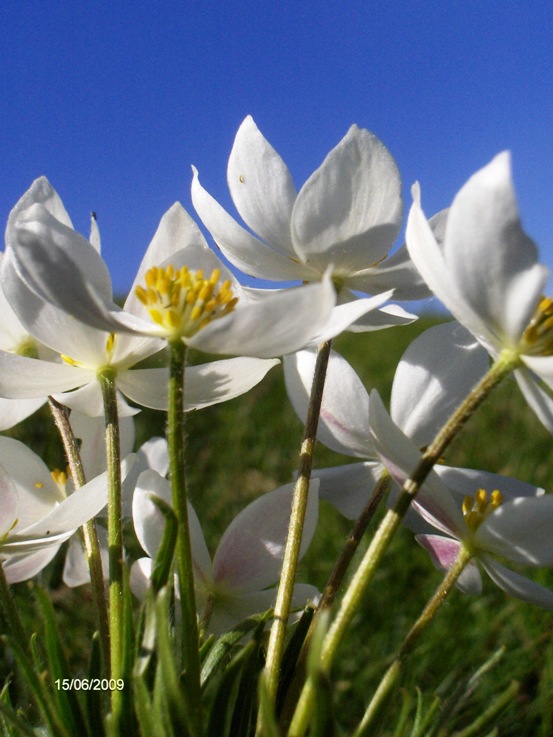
(89, 533)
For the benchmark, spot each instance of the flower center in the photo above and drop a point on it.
(537, 338)
(183, 301)
(475, 510)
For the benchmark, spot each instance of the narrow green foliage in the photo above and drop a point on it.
(67, 701)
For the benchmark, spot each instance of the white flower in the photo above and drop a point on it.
(493, 517)
(86, 350)
(488, 275)
(48, 260)
(248, 559)
(433, 376)
(346, 216)
(36, 515)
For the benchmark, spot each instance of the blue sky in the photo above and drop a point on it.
(113, 101)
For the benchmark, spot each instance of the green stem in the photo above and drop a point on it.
(10, 612)
(176, 442)
(426, 617)
(115, 536)
(504, 364)
(90, 536)
(283, 602)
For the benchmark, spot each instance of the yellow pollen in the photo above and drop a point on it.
(60, 477)
(184, 301)
(537, 338)
(475, 510)
(39, 485)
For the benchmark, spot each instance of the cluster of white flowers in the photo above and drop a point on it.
(61, 329)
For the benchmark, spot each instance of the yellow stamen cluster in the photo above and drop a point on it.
(537, 339)
(60, 479)
(475, 510)
(183, 301)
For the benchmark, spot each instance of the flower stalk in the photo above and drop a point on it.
(176, 439)
(89, 533)
(504, 364)
(115, 533)
(425, 618)
(293, 543)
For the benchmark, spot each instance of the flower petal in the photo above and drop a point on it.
(349, 211)
(516, 585)
(280, 323)
(435, 373)
(262, 188)
(13, 411)
(239, 246)
(349, 487)
(344, 418)
(520, 530)
(443, 552)
(249, 556)
(493, 261)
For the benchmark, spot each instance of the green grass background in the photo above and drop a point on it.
(250, 445)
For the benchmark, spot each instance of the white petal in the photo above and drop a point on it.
(389, 316)
(444, 551)
(428, 257)
(538, 400)
(349, 487)
(148, 521)
(396, 272)
(75, 570)
(349, 315)
(493, 261)
(520, 530)
(249, 556)
(40, 192)
(349, 211)
(30, 378)
(262, 188)
(516, 585)
(344, 418)
(22, 567)
(400, 456)
(13, 411)
(219, 381)
(239, 246)
(281, 323)
(434, 375)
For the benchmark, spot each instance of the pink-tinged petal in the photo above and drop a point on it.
(13, 411)
(31, 378)
(443, 552)
(22, 567)
(249, 556)
(520, 530)
(435, 373)
(492, 260)
(349, 487)
(278, 324)
(539, 400)
(344, 418)
(239, 246)
(400, 457)
(349, 211)
(261, 188)
(516, 585)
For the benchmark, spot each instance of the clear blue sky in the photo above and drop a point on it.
(113, 101)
